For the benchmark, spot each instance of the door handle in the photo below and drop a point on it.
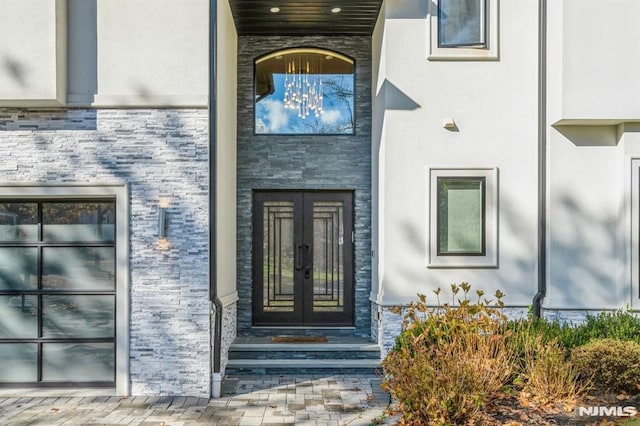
(308, 263)
(298, 257)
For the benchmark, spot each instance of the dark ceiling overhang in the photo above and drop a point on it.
(300, 17)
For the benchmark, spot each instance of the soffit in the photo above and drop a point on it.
(300, 17)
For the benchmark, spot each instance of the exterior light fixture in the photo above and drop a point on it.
(275, 9)
(303, 86)
(336, 10)
(163, 222)
(449, 124)
(163, 217)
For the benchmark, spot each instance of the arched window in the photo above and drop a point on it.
(304, 90)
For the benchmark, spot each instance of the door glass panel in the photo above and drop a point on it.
(18, 316)
(78, 316)
(78, 268)
(78, 221)
(81, 362)
(18, 221)
(278, 256)
(18, 268)
(18, 362)
(328, 263)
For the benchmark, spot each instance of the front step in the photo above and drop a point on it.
(258, 355)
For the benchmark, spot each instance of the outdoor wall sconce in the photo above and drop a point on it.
(449, 124)
(163, 222)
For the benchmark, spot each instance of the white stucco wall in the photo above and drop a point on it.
(138, 53)
(33, 53)
(226, 124)
(592, 91)
(377, 131)
(494, 104)
(585, 260)
(599, 57)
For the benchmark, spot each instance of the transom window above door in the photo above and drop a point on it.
(304, 91)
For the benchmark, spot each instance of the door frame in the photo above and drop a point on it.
(303, 314)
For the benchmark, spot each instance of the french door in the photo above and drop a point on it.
(303, 258)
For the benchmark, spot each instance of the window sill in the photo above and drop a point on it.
(462, 54)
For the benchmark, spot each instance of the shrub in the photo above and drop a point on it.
(546, 374)
(448, 361)
(620, 325)
(613, 365)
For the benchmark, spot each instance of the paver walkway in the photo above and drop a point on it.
(246, 400)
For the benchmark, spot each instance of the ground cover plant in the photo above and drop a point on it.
(464, 363)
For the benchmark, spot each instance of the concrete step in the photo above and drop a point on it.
(304, 351)
(302, 366)
(292, 347)
(339, 355)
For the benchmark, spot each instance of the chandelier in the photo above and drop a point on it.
(303, 87)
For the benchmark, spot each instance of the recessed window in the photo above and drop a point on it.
(461, 23)
(464, 30)
(304, 91)
(463, 216)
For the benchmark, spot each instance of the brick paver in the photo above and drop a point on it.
(246, 400)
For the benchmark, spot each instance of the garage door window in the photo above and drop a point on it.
(57, 292)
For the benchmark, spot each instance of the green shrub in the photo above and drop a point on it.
(612, 365)
(620, 325)
(448, 361)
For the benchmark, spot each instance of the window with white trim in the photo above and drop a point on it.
(464, 30)
(463, 206)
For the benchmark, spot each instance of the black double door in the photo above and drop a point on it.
(303, 258)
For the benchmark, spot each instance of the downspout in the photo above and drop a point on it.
(542, 158)
(217, 308)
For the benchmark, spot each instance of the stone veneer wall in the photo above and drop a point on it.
(158, 152)
(229, 329)
(572, 317)
(327, 162)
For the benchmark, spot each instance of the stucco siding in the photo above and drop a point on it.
(494, 105)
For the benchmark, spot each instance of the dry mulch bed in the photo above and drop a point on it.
(512, 411)
(516, 410)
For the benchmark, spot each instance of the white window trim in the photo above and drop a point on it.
(488, 53)
(490, 259)
(121, 194)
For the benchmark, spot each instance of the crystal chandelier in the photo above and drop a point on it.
(303, 88)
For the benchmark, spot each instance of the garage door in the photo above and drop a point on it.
(57, 292)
